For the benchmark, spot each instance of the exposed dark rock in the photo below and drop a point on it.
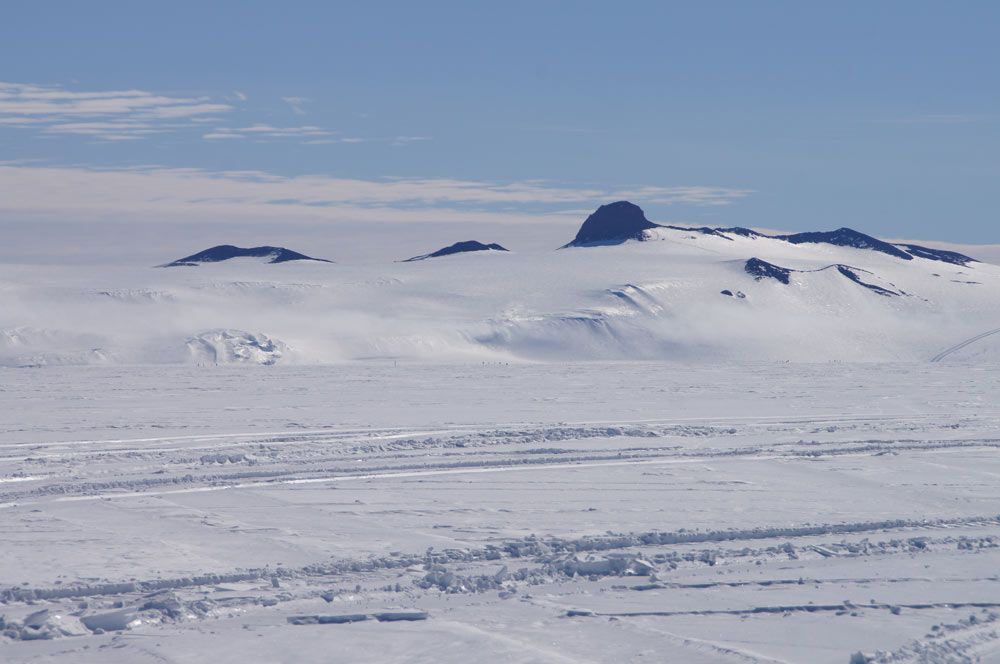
(759, 269)
(613, 223)
(704, 230)
(224, 252)
(852, 274)
(458, 248)
(846, 237)
(738, 230)
(619, 222)
(952, 257)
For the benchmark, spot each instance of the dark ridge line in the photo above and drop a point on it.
(458, 248)
(941, 255)
(224, 252)
(618, 222)
(760, 269)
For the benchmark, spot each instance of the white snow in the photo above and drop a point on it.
(584, 455)
(548, 512)
(652, 300)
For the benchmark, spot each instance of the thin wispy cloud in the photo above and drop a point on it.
(310, 135)
(130, 115)
(296, 104)
(21, 120)
(942, 119)
(702, 196)
(335, 140)
(395, 141)
(266, 131)
(406, 140)
(123, 128)
(172, 193)
(106, 114)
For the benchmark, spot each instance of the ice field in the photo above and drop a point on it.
(574, 512)
(712, 445)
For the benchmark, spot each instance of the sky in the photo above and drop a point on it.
(787, 115)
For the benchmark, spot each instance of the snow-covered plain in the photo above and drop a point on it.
(583, 455)
(535, 512)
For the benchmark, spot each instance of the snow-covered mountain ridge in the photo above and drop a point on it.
(625, 288)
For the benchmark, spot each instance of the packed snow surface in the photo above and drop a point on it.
(573, 512)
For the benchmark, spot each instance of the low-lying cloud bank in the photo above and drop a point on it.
(156, 193)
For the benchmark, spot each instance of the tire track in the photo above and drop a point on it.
(968, 342)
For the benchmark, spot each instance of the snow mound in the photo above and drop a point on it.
(458, 248)
(235, 347)
(26, 346)
(225, 252)
(43, 625)
(133, 295)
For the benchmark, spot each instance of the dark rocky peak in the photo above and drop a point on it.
(224, 252)
(458, 248)
(613, 223)
(759, 270)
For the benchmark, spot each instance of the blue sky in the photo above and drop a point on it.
(794, 115)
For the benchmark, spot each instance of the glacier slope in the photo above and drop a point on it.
(657, 299)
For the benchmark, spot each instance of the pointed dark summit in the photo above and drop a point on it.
(759, 269)
(613, 223)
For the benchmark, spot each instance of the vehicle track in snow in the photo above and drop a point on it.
(968, 342)
(301, 462)
(860, 558)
